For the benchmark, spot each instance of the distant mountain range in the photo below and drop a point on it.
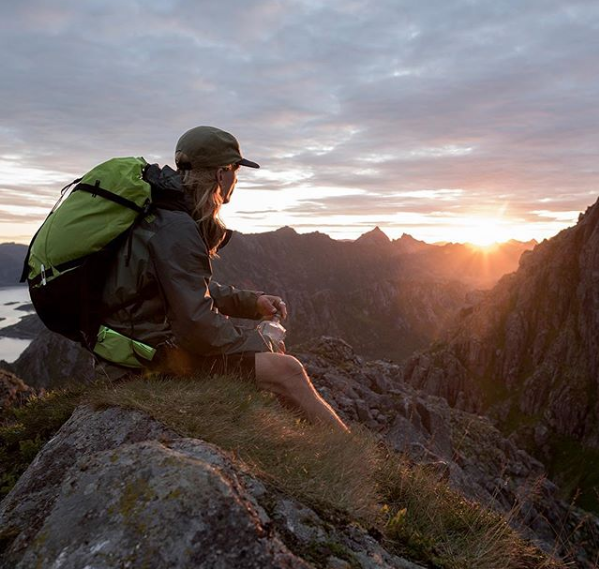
(464, 263)
(387, 298)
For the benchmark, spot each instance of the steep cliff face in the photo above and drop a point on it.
(528, 352)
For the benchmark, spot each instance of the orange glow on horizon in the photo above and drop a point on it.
(485, 232)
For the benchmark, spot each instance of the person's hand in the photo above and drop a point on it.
(268, 305)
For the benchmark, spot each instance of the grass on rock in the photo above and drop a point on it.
(356, 475)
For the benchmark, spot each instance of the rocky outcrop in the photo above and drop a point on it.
(117, 489)
(52, 360)
(467, 449)
(528, 353)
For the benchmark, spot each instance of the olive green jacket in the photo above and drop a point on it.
(159, 290)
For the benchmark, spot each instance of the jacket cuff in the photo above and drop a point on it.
(257, 315)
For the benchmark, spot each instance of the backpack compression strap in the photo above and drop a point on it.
(95, 191)
(98, 191)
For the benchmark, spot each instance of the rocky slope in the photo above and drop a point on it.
(527, 354)
(115, 488)
(477, 459)
(51, 361)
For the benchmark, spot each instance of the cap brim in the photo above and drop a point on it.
(248, 163)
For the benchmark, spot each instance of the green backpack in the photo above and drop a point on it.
(69, 256)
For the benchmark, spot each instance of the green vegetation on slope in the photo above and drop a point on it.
(338, 475)
(28, 428)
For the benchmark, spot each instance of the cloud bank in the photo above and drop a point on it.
(414, 116)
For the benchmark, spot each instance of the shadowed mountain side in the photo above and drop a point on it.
(388, 298)
(474, 266)
(528, 353)
(12, 256)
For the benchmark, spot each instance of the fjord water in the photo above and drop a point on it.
(11, 299)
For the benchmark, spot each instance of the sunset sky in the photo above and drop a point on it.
(448, 120)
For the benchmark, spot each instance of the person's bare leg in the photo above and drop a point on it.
(286, 377)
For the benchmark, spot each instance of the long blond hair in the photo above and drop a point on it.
(202, 185)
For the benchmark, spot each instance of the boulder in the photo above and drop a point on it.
(115, 489)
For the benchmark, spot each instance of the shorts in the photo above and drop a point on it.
(181, 362)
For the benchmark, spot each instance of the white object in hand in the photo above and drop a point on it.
(273, 330)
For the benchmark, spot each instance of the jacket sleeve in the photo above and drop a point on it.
(183, 271)
(235, 302)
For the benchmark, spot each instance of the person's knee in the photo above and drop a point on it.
(294, 379)
(280, 373)
(291, 366)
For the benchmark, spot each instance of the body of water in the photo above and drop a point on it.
(11, 299)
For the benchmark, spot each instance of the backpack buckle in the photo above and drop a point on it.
(43, 275)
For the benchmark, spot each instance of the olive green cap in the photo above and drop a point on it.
(208, 146)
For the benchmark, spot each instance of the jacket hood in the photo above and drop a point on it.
(167, 193)
(167, 189)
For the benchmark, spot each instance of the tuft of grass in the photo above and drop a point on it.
(430, 522)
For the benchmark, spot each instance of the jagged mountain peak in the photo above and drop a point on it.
(286, 230)
(408, 244)
(407, 237)
(374, 237)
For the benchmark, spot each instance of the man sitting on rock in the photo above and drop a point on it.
(160, 290)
